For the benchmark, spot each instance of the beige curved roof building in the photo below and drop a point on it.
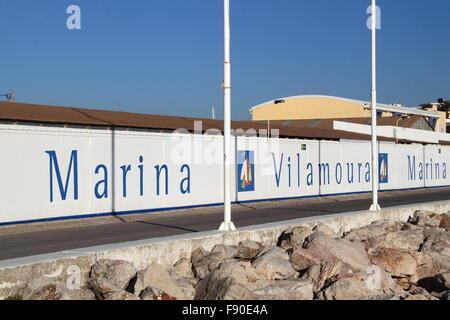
(329, 107)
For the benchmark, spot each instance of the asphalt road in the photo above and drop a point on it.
(34, 239)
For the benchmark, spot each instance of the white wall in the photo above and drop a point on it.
(282, 169)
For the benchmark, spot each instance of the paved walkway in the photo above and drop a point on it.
(40, 238)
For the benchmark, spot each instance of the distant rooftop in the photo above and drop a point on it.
(39, 115)
(394, 108)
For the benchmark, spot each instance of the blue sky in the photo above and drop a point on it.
(165, 56)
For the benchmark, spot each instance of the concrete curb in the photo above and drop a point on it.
(60, 266)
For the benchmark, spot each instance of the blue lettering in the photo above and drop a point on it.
(350, 178)
(158, 178)
(125, 170)
(324, 173)
(103, 182)
(338, 177)
(277, 175)
(367, 172)
(185, 184)
(310, 177)
(64, 188)
(411, 168)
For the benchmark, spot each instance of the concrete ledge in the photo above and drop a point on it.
(16, 273)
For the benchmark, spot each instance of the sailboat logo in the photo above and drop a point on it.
(383, 165)
(246, 171)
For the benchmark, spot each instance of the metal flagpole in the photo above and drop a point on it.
(227, 224)
(374, 206)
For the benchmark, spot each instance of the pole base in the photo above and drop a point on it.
(227, 227)
(374, 207)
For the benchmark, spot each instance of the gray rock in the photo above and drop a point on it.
(348, 287)
(184, 268)
(118, 272)
(425, 265)
(408, 227)
(293, 238)
(209, 262)
(319, 274)
(437, 240)
(224, 289)
(166, 279)
(274, 264)
(231, 280)
(401, 240)
(248, 250)
(299, 289)
(355, 286)
(226, 252)
(198, 254)
(323, 228)
(332, 249)
(302, 259)
(425, 218)
(376, 229)
(398, 263)
(102, 287)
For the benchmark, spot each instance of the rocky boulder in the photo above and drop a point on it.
(302, 259)
(225, 252)
(102, 287)
(325, 229)
(117, 272)
(231, 280)
(274, 264)
(211, 261)
(299, 289)
(333, 249)
(407, 240)
(355, 286)
(248, 250)
(198, 254)
(184, 268)
(319, 274)
(398, 263)
(166, 279)
(425, 218)
(293, 238)
(376, 229)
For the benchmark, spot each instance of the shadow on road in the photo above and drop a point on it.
(166, 226)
